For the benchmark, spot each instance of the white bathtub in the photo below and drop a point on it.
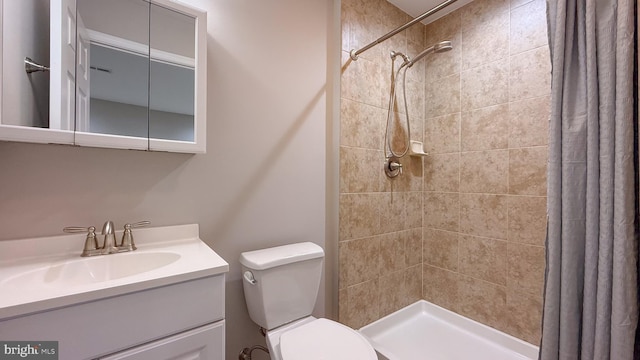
(426, 331)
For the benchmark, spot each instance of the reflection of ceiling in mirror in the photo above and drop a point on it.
(120, 76)
(172, 32)
(167, 30)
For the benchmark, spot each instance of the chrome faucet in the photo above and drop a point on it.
(109, 243)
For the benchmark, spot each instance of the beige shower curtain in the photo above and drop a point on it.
(591, 285)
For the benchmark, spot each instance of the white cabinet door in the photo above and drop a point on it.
(83, 81)
(62, 80)
(203, 343)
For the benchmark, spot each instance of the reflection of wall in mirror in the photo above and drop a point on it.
(25, 34)
(124, 77)
(129, 19)
(108, 117)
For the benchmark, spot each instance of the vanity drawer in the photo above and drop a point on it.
(97, 328)
(203, 343)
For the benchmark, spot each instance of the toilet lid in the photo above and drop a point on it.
(324, 339)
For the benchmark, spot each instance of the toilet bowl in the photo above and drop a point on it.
(280, 287)
(318, 339)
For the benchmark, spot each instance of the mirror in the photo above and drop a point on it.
(124, 73)
(25, 107)
(112, 70)
(172, 95)
(29, 94)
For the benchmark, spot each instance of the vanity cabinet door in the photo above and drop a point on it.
(203, 343)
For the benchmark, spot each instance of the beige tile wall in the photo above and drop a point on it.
(484, 199)
(380, 219)
(464, 228)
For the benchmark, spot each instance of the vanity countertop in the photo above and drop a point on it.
(45, 273)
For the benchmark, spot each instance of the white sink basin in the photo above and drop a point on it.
(79, 271)
(44, 273)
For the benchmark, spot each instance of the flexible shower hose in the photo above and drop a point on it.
(387, 138)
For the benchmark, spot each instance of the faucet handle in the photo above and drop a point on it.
(77, 229)
(127, 243)
(138, 224)
(90, 243)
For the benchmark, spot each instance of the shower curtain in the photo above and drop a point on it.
(591, 280)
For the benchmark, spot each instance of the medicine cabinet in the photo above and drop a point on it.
(127, 74)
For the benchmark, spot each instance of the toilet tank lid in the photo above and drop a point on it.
(280, 255)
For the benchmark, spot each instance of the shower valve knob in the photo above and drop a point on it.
(394, 166)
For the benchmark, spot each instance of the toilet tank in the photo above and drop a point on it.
(281, 283)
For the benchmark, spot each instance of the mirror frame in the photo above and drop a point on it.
(68, 137)
(200, 94)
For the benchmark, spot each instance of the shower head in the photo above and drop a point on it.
(443, 46)
(437, 48)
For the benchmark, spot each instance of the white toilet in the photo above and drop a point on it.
(280, 287)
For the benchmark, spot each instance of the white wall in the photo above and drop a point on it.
(26, 97)
(262, 181)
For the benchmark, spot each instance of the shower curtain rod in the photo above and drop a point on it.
(354, 53)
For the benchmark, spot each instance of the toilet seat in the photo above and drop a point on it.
(325, 339)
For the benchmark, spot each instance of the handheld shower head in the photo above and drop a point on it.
(443, 46)
(437, 48)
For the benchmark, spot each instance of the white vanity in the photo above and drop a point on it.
(163, 301)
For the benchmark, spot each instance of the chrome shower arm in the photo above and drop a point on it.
(354, 53)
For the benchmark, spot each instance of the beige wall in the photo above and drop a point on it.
(482, 190)
(262, 181)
